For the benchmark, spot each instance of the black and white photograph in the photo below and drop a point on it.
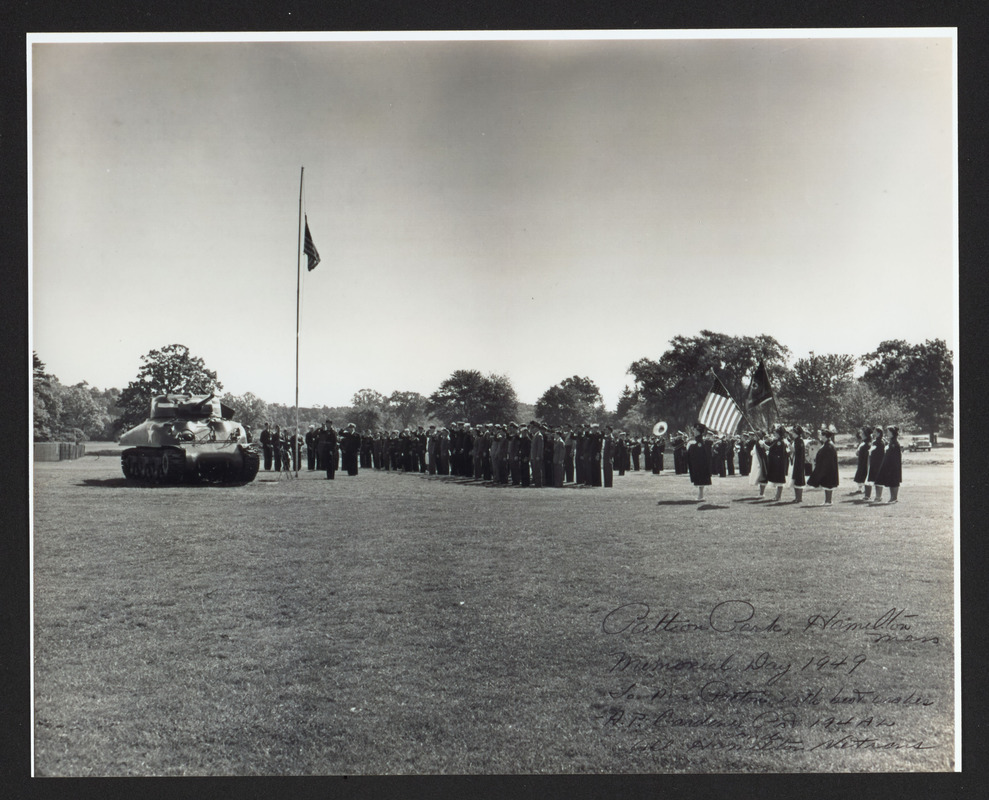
(494, 403)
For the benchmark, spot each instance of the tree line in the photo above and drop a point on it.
(910, 385)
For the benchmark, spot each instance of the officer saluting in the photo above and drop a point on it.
(327, 444)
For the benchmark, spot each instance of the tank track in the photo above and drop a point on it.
(168, 466)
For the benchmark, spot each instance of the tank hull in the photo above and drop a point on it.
(189, 439)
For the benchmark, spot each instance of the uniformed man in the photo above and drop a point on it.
(327, 447)
(265, 439)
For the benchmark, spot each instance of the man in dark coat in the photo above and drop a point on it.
(276, 448)
(525, 449)
(559, 456)
(350, 447)
(593, 444)
(514, 464)
(536, 454)
(265, 439)
(656, 458)
(621, 453)
(327, 447)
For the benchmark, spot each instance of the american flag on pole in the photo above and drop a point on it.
(719, 412)
(312, 255)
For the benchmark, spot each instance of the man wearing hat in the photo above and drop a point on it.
(327, 446)
(593, 446)
(536, 454)
(350, 446)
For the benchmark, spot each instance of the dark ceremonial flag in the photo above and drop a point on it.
(759, 389)
(312, 255)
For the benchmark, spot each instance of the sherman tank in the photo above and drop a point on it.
(189, 439)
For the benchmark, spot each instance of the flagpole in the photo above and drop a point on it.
(296, 450)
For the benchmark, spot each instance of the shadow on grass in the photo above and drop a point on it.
(710, 507)
(124, 483)
(677, 502)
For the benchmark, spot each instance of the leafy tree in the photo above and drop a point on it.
(574, 400)
(861, 405)
(368, 409)
(47, 404)
(405, 408)
(675, 386)
(813, 389)
(171, 369)
(635, 421)
(249, 409)
(920, 376)
(469, 395)
(83, 416)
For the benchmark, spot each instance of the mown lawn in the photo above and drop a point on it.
(401, 624)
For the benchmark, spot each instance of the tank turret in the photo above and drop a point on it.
(189, 438)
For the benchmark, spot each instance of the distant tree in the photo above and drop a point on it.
(862, 406)
(626, 401)
(405, 408)
(170, 369)
(920, 377)
(83, 416)
(675, 386)
(573, 400)
(813, 388)
(249, 409)
(368, 409)
(47, 404)
(635, 421)
(468, 395)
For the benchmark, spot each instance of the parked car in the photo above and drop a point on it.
(919, 443)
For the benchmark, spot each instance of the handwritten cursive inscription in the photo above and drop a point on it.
(738, 678)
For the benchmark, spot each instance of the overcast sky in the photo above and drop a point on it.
(537, 209)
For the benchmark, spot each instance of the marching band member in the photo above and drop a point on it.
(825, 471)
(698, 457)
(778, 462)
(890, 472)
(862, 472)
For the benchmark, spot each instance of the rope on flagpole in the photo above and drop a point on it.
(298, 285)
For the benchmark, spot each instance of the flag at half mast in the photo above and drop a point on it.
(312, 254)
(719, 411)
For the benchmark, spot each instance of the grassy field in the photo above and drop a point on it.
(407, 624)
